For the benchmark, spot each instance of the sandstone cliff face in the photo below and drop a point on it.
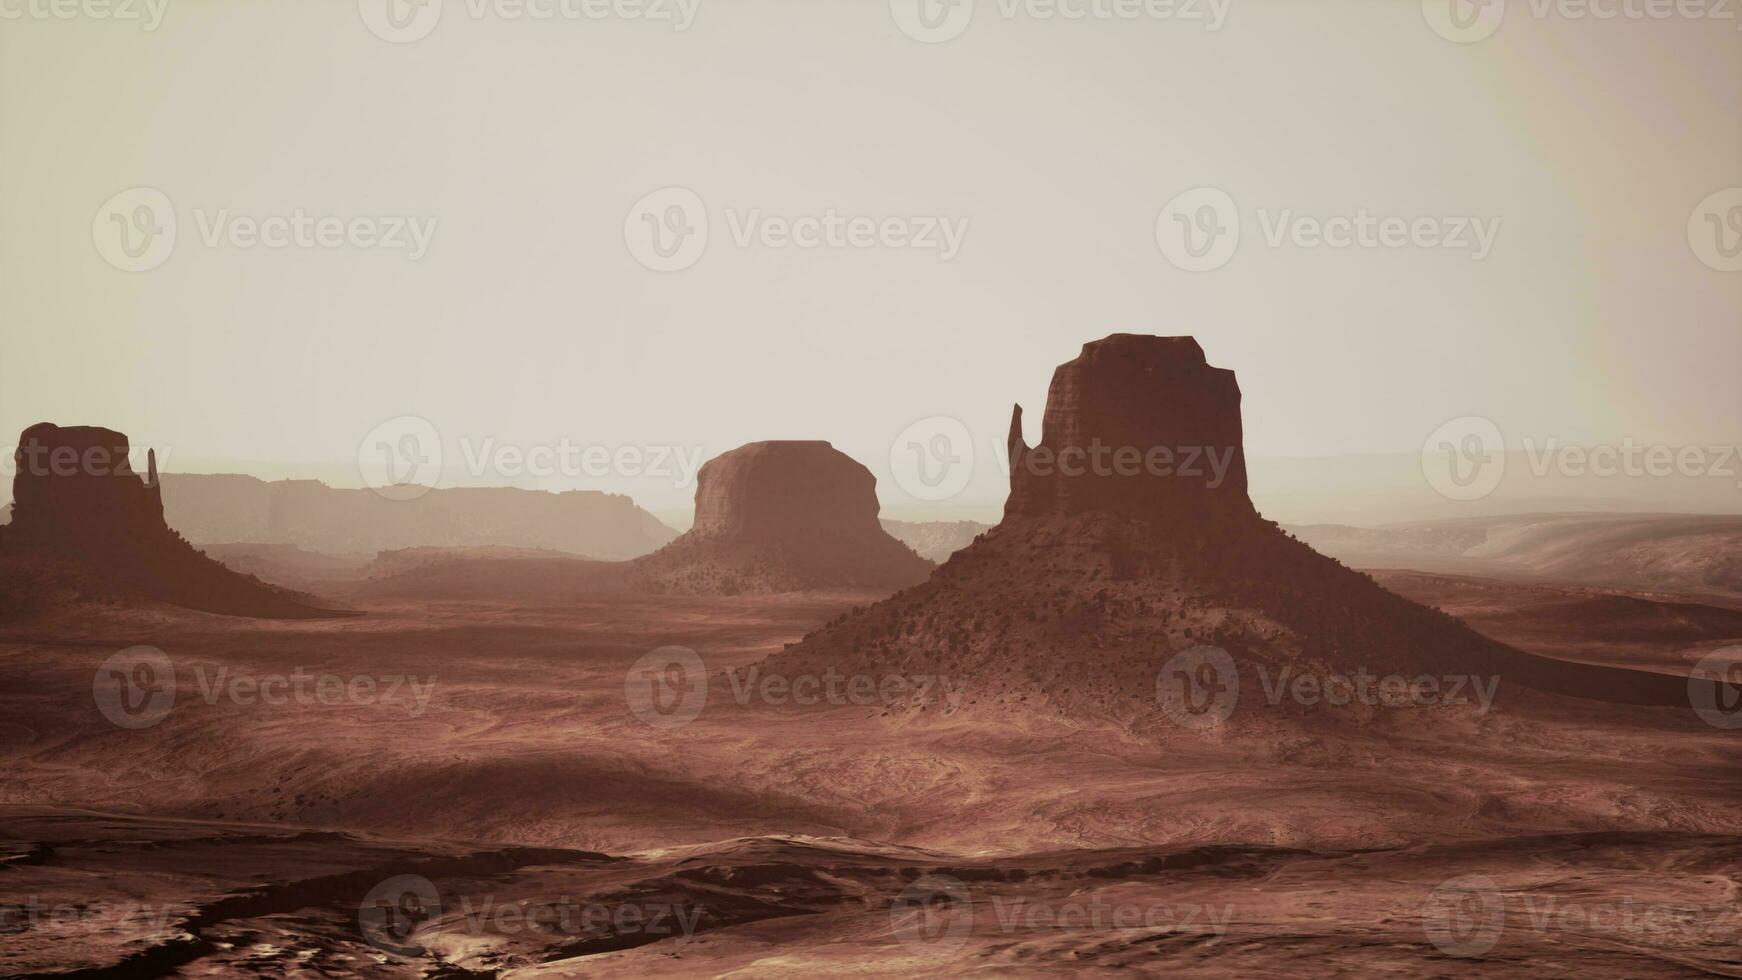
(78, 506)
(767, 491)
(1094, 580)
(782, 517)
(74, 488)
(1136, 425)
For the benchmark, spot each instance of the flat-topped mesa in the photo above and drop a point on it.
(1136, 425)
(73, 490)
(766, 491)
(782, 517)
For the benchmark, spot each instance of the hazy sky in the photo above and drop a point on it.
(1583, 145)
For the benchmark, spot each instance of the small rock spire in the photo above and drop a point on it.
(1016, 444)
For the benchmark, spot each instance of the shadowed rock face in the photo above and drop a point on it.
(78, 503)
(1135, 425)
(74, 490)
(768, 491)
(782, 517)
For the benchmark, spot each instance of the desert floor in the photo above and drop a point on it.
(491, 753)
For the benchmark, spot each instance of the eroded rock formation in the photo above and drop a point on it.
(1136, 425)
(77, 503)
(1101, 571)
(782, 517)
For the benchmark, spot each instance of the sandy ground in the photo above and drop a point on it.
(505, 740)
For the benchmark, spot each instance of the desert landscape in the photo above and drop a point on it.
(1132, 725)
(902, 488)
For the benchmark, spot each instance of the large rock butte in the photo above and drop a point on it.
(78, 504)
(792, 516)
(1134, 425)
(1096, 578)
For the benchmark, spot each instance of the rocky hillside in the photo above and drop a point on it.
(1101, 571)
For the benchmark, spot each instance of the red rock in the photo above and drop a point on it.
(782, 517)
(77, 503)
(1076, 600)
(1135, 425)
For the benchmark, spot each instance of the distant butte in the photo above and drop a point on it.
(794, 516)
